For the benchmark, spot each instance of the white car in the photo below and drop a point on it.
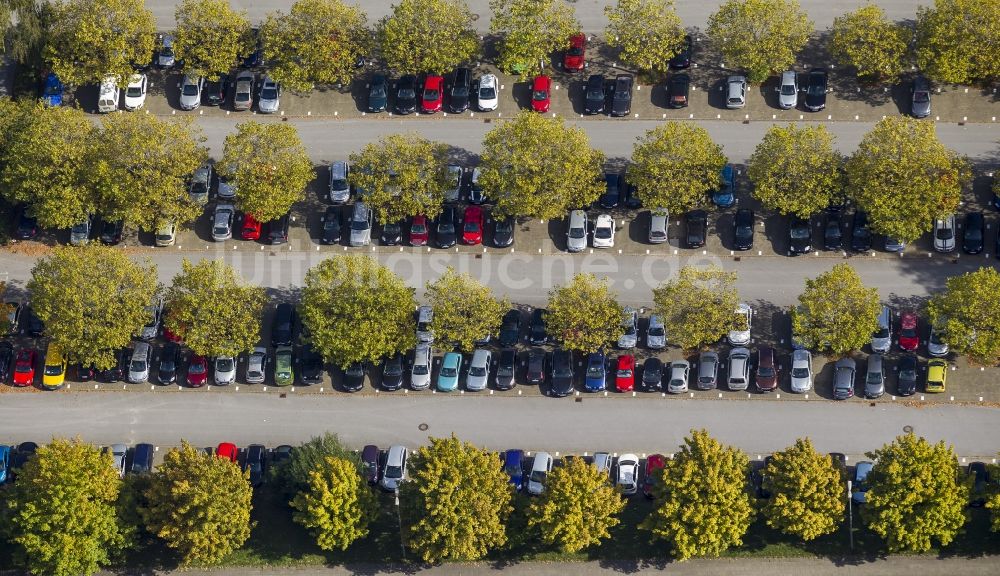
(630, 327)
(270, 92)
(166, 234)
(604, 232)
(226, 190)
(487, 93)
(257, 366)
(225, 370)
(191, 92)
(602, 461)
(628, 473)
(740, 336)
(479, 370)
(118, 452)
(135, 92)
(656, 335)
(395, 468)
(802, 374)
(222, 222)
(454, 189)
(107, 97)
(944, 233)
(678, 382)
(936, 346)
(540, 468)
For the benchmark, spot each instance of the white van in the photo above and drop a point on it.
(107, 97)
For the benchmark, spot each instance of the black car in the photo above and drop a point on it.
(24, 452)
(254, 462)
(759, 477)
(652, 374)
(117, 372)
(612, 190)
(378, 93)
(683, 58)
(631, 200)
(503, 232)
(816, 90)
(536, 328)
(85, 373)
(111, 232)
(277, 230)
(972, 235)
(696, 222)
(332, 225)
(6, 360)
(310, 366)
(833, 236)
(281, 454)
(354, 377)
(535, 373)
(283, 326)
(446, 236)
(27, 225)
(33, 325)
(906, 382)
(170, 357)
(392, 233)
(799, 235)
(861, 234)
(214, 91)
(460, 91)
(678, 90)
(743, 224)
(510, 328)
(406, 94)
(594, 95)
(621, 98)
(505, 369)
(392, 373)
(561, 381)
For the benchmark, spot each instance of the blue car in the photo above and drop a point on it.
(513, 465)
(5, 463)
(725, 196)
(52, 92)
(448, 376)
(596, 372)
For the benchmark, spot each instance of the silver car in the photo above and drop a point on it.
(138, 367)
(340, 187)
(222, 222)
(739, 369)
(224, 370)
(166, 234)
(420, 372)
(936, 346)
(630, 323)
(736, 92)
(843, 378)
(802, 374)
(576, 233)
(540, 468)
(270, 92)
(656, 335)
(79, 234)
(191, 92)
(201, 182)
(602, 461)
(740, 335)
(395, 468)
(152, 328)
(257, 366)
(361, 225)
(875, 378)
(678, 382)
(243, 92)
(944, 233)
(479, 370)
(165, 57)
(118, 452)
(708, 371)
(658, 223)
(226, 190)
(788, 91)
(920, 102)
(882, 337)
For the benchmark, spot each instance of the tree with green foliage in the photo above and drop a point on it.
(402, 175)
(294, 474)
(457, 500)
(868, 41)
(317, 42)
(968, 309)
(807, 492)
(268, 165)
(91, 40)
(213, 310)
(45, 165)
(916, 494)
(140, 167)
(520, 157)
(211, 37)
(957, 40)
(697, 306)
(759, 36)
(428, 36)
(531, 31)
(199, 505)
(337, 506)
(27, 31)
(92, 300)
(795, 170)
(578, 508)
(993, 499)
(356, 310)
(584, 314)
(836, 312)
(674, 166)
(702, 504)
(465, 310)
(61, 510)
(647, 33)
(904, 178)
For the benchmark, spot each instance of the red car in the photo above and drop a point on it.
(197, 373)
(541, 93)
(251, 228)
(227, 450)
(433, 96)
(418, 231)
(908, 339)
(573, 59)
(654, 463)
(625, 376)
(472, 227)
(24, 367)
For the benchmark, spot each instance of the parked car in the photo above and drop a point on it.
(118, 453)
(222, 222)
(52, 90)
(740, 335)
(621, 98)
(79, 233)
(394, 471)
(370, 461)
(541, 93)
(625, 373)
(802, 374)
(190, 90)
(197, 372)
(214, 92)
(472, 226)
(768, 369)
(486, 93)
(451, 366)
(170, 358)
(361, 225)
(920, 99)
(936, 345)
(788, 90)
(655, 463)
(906, 375)
(561, 381)
(445, 232)
(165, 57)
(576, 233)
(420, 370)
(980, 474)
(340, 187)
(503, 232)
(696, 226)
(739, 369)
(27, 225)
(254, 462)
(652, 374)
(406, 94)
(743, 229)
(284, 366)
(354, 377)
(510, 328)
(166, 234)
(843, 378)
(257, 365)
(604, 232)
(613, 185)
(142, 458)
(310, 366)
(875, 377)
(418, 230)
(682, 59)
(595, 95)
(432, 97)
(894, 245)
(708, 371)
(909, 339)
(378, 93)
(816, 90)
(658, 225)
(224, 370)
(251, 228)
(799, 235)
(574, 59)
(476, 193)
(944, 233)
(861, 234)
(142, 355)
(6, 360)
(656, 334)
(860, 484)
(460, 92)
(120, 368)
(268, 100)
(243, 91)
(678, 90)
(53, 367)
(541, 466)
(677, 382)
(537, 334)
(332, 228)
(973, 233)
(595, 377)
(536, 369)
(630, 325)
(513, 465)
(736, 92)
(135, 92)
(628, 474)
(833, 236)
(479, 370)
(937, 374)
(504, 378)
(392, 233)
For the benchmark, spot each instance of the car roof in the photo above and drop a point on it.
(395, 455)
(480, 356)
(788, 76)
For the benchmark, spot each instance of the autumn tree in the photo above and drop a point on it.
(836, 312)
(760, 36)
(92, 300)
(402, 175)
(268, 165)
(531, 31)
(697, 306)
(957, 39)
(795, 170)
(870, 43)
(27, 31)
(916, 495)
(428, 36)
(967, 309)
(807, 492)
(211, 37)
(584, 314)
(521, 156)
(457, 499)
(294, 474)
(904, 177)
(674, 166)
(465, 310)
(702, 504)
(337, 506)
(648, 33)
(199, 505)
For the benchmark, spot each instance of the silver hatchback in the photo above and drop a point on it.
(361, 225)
(576, 233)
(736, 92)
(788, 91)
(708, 371)
(479, 370)
(138, 367)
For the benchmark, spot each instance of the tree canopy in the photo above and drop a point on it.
(211, 37)
(337, 506)
(807, 492)
(428, 36)
(402, 175)
(648, 33)
(697, 306)
(531, 31)
(759, 36)
(836, 311)
(674, 166)
(957, 39)
(796, 170)
(584, 314)
(969, 311)
(465, 310)
(295, 474)
(869, 42)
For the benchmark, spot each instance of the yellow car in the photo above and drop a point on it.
(937, 373)
(54, 374)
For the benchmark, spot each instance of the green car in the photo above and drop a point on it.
(284, 375)
(448, 376)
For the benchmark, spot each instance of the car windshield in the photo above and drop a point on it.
(874, 378)
(393, 472)
(477, 371)
(907, 375)
(487, 93)
(800, 232)
(744, 230)
(460, 90)
(471, 226)
(595, 371)
(136, 366)
(420, 369)
(973, 232)
(505, 370)
(944, 233)
(133, 91)
(221, 229)
(269, 93)
(788, 90)
(656, 331)
(331, 224)
(448, 372)
(540, 95)
(577, 233)
(167, 364)
(765, 372)
(562, 372)
(359, 225)
(446, 228)
(908, 332)
(624, 373)
(538, 476)
(816, 89)
(224, 365)
(196, 368)
(393, 369)
(190, 90)
(576, 51)
(431, 94)
(800, 372)
(53, 369)
(921, 97)
(596, 94)
(512, 469)
(377, 91)
(407, 93)
(418, 229)
(604, 232)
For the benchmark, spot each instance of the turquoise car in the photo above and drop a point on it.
(4, 463)
(448, 376)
